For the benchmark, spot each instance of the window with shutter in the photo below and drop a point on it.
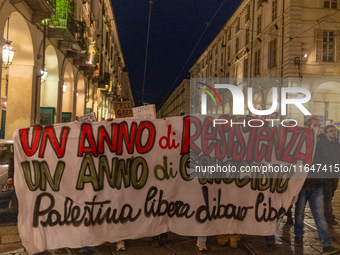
(334, 4)
(237, 41)
(247, 36)
(107, 43)
(245, 68)
(257, 59)
(328, 46)
(238, 25)
(331, 4)
(272, 54)
(274, 10)
(229, 52)
(259, 24)
(248, 13)
(236, 71)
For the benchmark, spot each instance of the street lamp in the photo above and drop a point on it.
(7, 54)
(7, 50)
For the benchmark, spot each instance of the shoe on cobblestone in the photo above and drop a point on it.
(83, 251)
(159, 240)
(120, 246)
(329, 250)
(233, 240)
(202, 246)
(298, 241)
(332, 222)
(269, 247)
(222, 239)
(156, 242)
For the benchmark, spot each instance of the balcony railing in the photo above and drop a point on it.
(63, 27)
(63, 12)
(60, 19)
(51, 3)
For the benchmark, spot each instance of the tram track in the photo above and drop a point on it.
(249, 250)
(246, 247)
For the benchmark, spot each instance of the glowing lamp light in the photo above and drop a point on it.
(91, 59)
(64, 87)
(44, 75)
(305, 55)
(7, 54)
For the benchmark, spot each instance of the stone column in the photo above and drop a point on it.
(21, 98)
(60, 100)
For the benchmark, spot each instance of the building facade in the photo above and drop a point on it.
(277, 39)
(76, 42)
(178, 103)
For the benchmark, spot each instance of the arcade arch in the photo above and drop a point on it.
(80, 94)
(68, 95)
(18, 80)
(49, 87)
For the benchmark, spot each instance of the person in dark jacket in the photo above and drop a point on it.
(327, 156)
(313, 193)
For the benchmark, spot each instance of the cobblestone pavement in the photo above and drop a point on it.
(178, 245)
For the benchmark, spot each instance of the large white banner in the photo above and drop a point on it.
(82, 184)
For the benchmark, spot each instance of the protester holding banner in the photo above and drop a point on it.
(327, 155)
(120, 244)
(159, 240)
(233, 239)
(270, 242)
(312, 191)
(202, 243)
(289, 213)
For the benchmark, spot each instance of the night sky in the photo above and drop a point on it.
(175, 28)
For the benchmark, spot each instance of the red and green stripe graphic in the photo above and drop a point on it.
(213, 90)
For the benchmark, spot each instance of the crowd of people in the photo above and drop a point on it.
(318, 190)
